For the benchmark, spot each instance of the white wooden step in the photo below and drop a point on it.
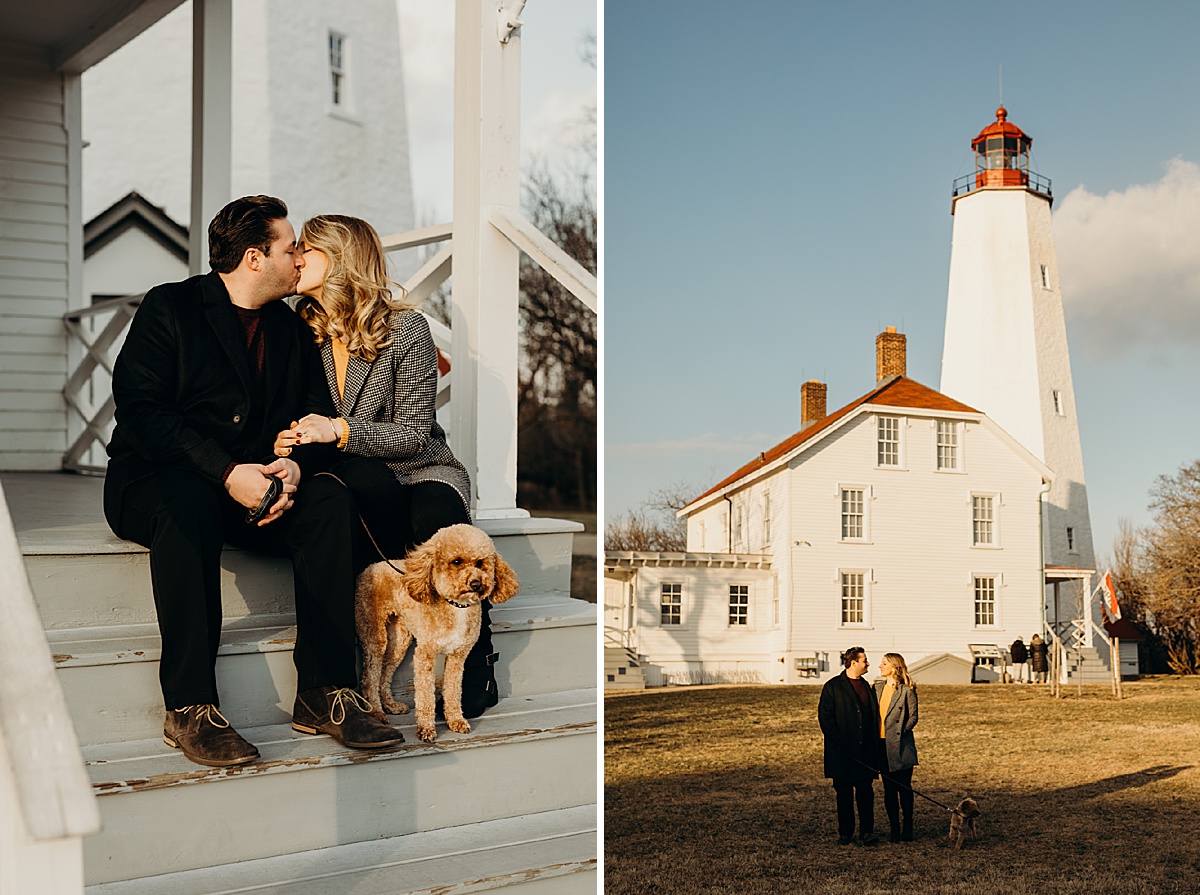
(83, 575)
(110, 674)
(163, 814)
(550, 852)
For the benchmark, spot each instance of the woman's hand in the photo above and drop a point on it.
(286, 440)
(314, 428)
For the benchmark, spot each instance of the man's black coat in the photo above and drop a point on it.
(851, 730)
(183, 384)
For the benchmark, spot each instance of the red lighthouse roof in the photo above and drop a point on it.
(1001, 127)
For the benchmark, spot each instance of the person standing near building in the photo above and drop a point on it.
(211, 369)
(1039, 660)
(897, 695)
(1020, 656)
(848, 713)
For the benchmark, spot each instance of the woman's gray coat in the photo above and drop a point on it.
(389, 406)
(898, 726)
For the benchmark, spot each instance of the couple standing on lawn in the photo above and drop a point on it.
(869, 732)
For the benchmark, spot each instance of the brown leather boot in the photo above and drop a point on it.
(206, 737)
(344, 715)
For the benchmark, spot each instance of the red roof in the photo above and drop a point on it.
(1001, 127)
(895, 391)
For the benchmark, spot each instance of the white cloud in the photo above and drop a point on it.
(1130, 261)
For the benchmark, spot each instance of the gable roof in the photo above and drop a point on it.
(895, 391)
(130, 211)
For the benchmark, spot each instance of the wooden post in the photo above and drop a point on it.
(484, 317)
(212, 125)
(1116, 651)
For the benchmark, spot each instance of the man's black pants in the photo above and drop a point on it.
(850, 792)
(184, 519)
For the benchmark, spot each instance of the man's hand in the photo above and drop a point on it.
(247, 485)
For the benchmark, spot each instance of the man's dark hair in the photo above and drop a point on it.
(850, 655)
(245, 223)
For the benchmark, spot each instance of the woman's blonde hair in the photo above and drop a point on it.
(356, 299)
(897, 661)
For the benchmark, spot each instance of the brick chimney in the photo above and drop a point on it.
(812, 402)
(890, 354)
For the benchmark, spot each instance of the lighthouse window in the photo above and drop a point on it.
(1058, 403)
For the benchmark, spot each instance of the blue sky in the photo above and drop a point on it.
(777, 190)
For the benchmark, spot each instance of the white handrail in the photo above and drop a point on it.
(570, 274)
(52, 786)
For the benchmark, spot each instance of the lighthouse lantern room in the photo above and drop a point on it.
(1002, 159)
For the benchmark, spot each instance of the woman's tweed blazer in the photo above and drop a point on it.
(898, 724)
(389, 406)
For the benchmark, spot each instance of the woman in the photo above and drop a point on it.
(897, 695)
(381, 367)
(1038, 659)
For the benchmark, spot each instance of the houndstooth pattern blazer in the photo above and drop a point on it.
(389, 406)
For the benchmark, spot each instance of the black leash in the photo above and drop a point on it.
(371, 537)
(905, 785)
(363, 522)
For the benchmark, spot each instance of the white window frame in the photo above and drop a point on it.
(865, 515)
(775, 616)
(997, 584)
(738, 528)
(899, 421)
(865, 597)
(1045, 271)
(1060, 408)
(994, 497)
(703, 531)
(662, 592)
(766, 519)
(956, 429)
(745, 607)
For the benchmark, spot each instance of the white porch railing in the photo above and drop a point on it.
(46, 799)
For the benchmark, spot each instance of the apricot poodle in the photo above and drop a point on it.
(436, 601)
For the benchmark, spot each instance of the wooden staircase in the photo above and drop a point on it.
(622, 671)
(510, 805)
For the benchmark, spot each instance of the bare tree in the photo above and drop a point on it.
(1171, 560)
(654, 527)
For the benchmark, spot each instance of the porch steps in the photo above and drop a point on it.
(467, 813)
(552, 853)
(622, 670)
(1095, 670)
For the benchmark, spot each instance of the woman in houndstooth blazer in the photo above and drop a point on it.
(381, 366)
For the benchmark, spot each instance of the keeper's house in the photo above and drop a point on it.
(905, 521)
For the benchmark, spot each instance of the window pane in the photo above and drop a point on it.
(985, 601)
(889, 441)
(853, 598)
(981, 519)
(739, 604)
(852, 513)
(672, 604)
(947, 445)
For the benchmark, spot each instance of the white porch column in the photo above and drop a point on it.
(212, 86)
(487, 168)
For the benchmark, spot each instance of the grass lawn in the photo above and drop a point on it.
(720, 790)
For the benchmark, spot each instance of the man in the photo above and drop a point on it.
(211, 370)
(848, 713)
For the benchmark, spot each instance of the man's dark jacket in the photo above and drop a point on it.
(183, 387)
(851, 730)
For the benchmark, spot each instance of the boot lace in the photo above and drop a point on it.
(338, 700)
(209, 713)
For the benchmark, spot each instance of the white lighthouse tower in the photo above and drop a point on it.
(1005, 349)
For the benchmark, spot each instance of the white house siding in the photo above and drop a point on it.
(705, 647)
(287, 138)
(917, 556)
(130, 263)
(38, 257)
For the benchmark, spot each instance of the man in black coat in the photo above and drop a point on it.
(212, 368)
(848, 713)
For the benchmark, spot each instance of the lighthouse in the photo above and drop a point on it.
(1005, 349)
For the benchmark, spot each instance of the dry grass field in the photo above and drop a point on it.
(719, 790)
